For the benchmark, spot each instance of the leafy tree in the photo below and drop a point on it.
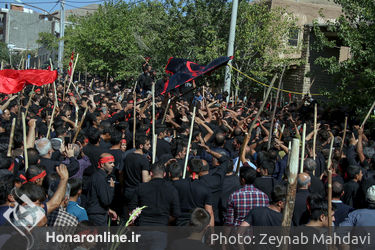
(4, 52)
(355, 76)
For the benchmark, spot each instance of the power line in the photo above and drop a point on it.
(57, 2)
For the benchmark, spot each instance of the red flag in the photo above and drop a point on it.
(71, 64)
(13, 81)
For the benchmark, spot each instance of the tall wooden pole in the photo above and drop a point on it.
(248, 137)
(274, 110)
(51, 121)
(315, 129)
(9, 153)
(72, 75)
(292, 184)
(330, 198)
(134, 116)
(166, 111)
(344, 136)
(368, 115)
(153, 124)
(303, 147)
(80, 125)
(25, 142)
(189, 142)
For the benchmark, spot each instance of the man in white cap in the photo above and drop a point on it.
(363, 217)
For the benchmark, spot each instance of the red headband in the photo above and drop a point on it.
(123, 141)
(105, 160)
(41, 175)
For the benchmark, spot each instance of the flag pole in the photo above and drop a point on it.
(189, 142)
(303, 147)
(72, 74)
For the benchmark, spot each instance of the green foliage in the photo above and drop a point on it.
(4, 52)
(355, 76)
(117, 37)
(48, 41)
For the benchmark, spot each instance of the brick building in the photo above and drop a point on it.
(299, 78)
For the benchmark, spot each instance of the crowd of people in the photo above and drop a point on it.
(106, 173)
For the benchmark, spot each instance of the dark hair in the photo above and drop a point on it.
(31, 190)
(93, 135)
(175, 170)
(140, 140)
(318, 207)
(353, 170)
(199, 219)
(337, 189)
(248, 174)
(158, 168)
(269, 165)
(195, 165)
(278, 194)
(75, 186)
(116, 137)
(33, 171)
(6, 186)
(5, 162)
(33, 156)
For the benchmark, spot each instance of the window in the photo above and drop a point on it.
(293, 37)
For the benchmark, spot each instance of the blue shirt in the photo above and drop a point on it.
(76, 210)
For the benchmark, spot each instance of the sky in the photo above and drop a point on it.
(51, 5)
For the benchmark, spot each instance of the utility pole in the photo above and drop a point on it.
(61, 42)
(232, 35)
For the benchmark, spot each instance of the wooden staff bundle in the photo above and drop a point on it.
(292, 184)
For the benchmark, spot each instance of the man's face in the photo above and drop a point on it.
(108, 166)
(50, 95)
(147, 145)
(6, 115)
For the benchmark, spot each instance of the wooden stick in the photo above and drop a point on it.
(189, 142)
(330, 198)
(51, 121)
(92, 81)
(66, 78)
(134, 116)
(71, 76)
(248, 137)
(274, 110)
(330, 152)
(9, 154)
(106, 78)
(292, 184)
(29, 101)
(368, 115)
(281, 132)
(166, 111)
(25, 142)
(303, 147)
(80, 125)
(343, 137)
(153, 124)
(315, 129)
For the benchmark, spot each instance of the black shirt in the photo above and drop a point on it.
(264, 216)
(300, 213)
(162, 148)
(231, 183)
(192, 194)
(51, 165)
(161, 199)
(266, 184)
(100, 194)
(133, 166)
